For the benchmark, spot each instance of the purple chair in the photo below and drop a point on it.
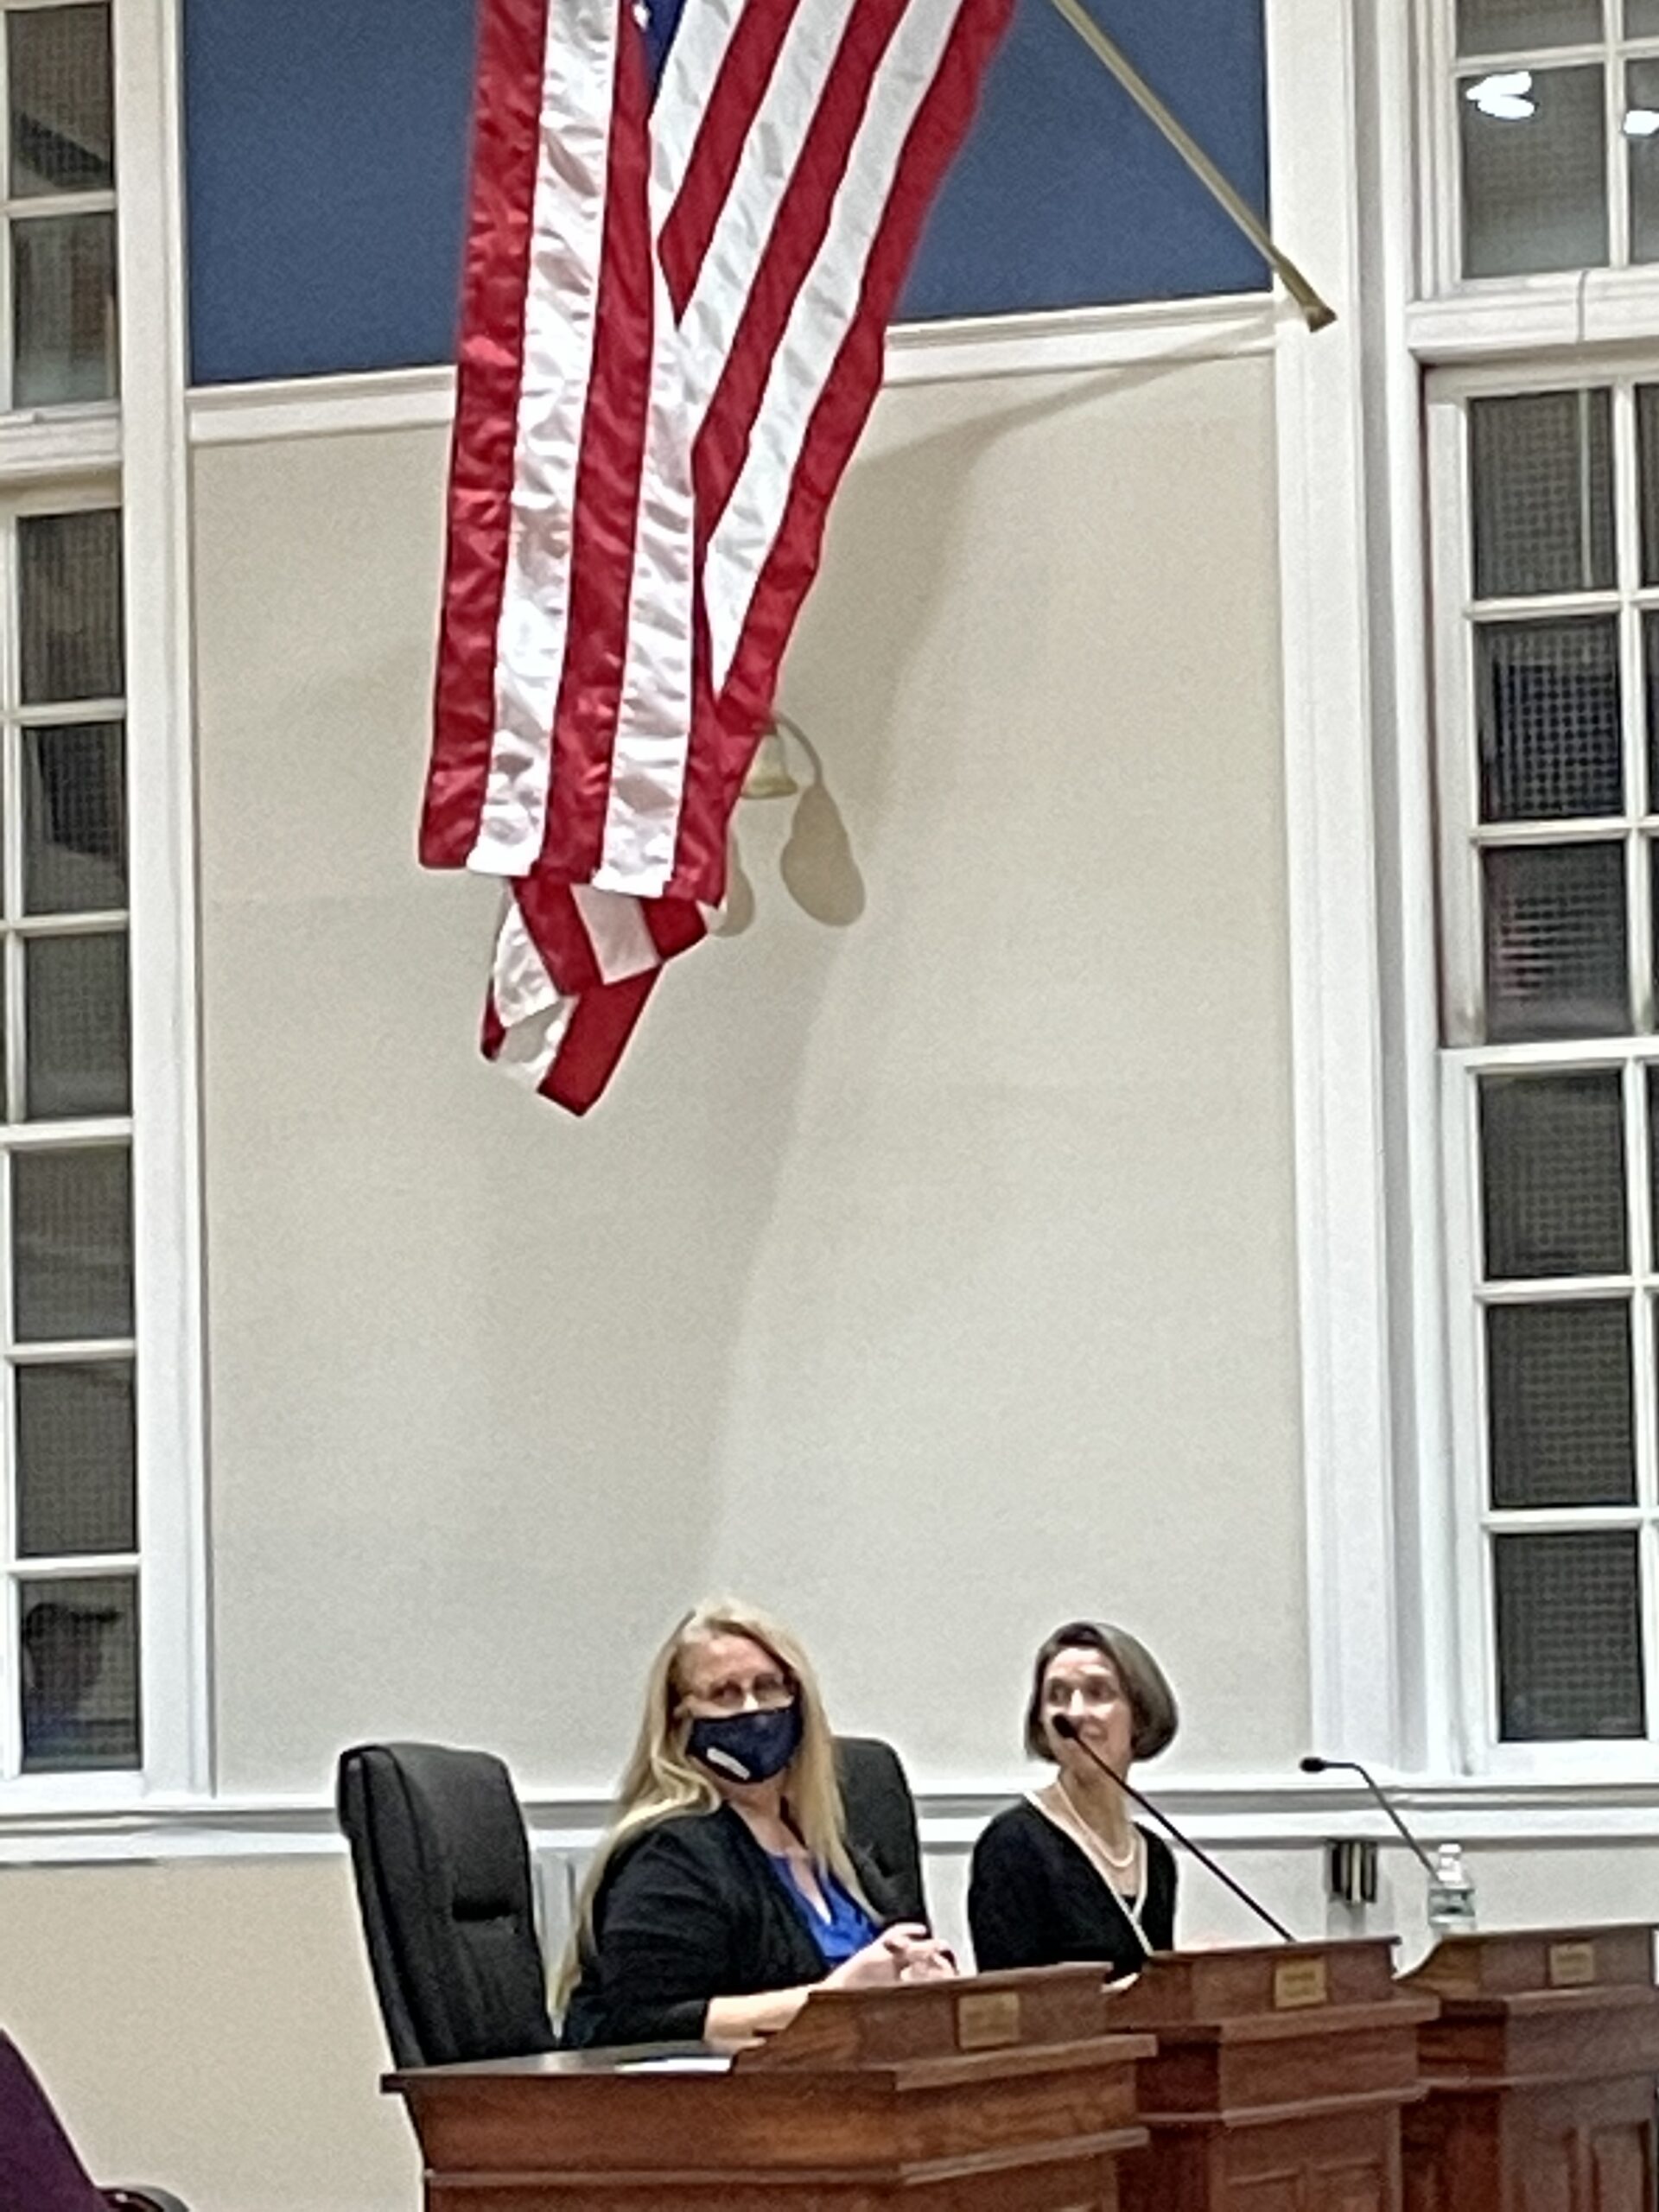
(39, 2171)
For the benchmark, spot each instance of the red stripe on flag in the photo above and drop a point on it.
(597, 1037)
(605, 521)
(558, 933)
(849, 392)
(505, 153)
(675, 924)
(798, 233)
(734, 101)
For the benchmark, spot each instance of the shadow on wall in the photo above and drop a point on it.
(818, 866)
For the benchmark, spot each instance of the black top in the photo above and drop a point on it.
(693, 1909)
(1036, 1899)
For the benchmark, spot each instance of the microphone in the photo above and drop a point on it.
(1314, 1765)
(1064, 1727)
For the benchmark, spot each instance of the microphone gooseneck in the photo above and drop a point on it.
(1064, 1727)
(1314, 1765)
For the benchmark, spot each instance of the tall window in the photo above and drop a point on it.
(1548, 615)
(1577, 187)
(1536, 319)
(70, 1624)
(60, 232)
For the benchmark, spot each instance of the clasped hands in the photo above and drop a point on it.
(905, 1952)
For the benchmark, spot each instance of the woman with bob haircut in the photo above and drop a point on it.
(1066, 1874)
(726, 1887)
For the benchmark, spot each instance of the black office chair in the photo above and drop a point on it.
(442, 1868)
(881, 1819)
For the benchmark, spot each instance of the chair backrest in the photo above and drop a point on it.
(442, 1868)
(39, 2171)
(881, 1819)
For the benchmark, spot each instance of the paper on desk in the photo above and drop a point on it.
(692, 2063)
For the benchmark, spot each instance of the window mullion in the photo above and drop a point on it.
(7, 288)
(1647, 1567)
(1632, 701)
(1618, 168)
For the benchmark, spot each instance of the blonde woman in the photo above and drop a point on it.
(727, 1887)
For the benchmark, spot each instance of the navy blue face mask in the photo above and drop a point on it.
(748, 1747)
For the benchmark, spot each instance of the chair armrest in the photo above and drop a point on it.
(144, 2200)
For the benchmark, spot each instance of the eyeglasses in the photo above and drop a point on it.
(769, 1692)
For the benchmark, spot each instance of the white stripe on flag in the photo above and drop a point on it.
(533, 1016)
(622, 945)
(560, 319)
(700, 42)
(743, 232)
(823, 314)
(653, 742)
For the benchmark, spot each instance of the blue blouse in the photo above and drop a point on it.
(848, 1927)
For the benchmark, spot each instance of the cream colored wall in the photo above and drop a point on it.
(209, 2027)
(928, 1274)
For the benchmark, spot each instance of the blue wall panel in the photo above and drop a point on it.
(327, 147)
(326, 150)
(1064, 195)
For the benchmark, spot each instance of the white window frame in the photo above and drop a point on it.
(1463, 1059)
(1402, 1670)
(137, 449)
(1506, 313)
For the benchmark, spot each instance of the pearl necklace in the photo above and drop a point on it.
(1119, 1865)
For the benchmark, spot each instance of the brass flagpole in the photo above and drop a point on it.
(1315, 311)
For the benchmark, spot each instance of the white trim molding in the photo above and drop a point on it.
(1330, 806)
(1067, 342)
(1235, 1814)
(166, 1150)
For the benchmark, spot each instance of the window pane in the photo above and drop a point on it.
(62, 115)
(71, 1226)
(1548, 710)
(1559, 1410)
(1555, 942)
(1641, 18)
(80, 1673)
(77, 1036)
(1647, 429)
(75, 1459)
(63, 305)
(1552, 1175)
(1542, 469)
(1642, 150)
(1534, 188)
(1519, 26)
(74, 819)
(69, 605)
(1569, 1637)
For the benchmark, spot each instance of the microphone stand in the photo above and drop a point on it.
(1064, 1727)
(1314, 1765)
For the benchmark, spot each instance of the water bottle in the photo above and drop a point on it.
(1451, 1894)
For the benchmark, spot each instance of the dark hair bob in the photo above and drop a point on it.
(1151, 1701)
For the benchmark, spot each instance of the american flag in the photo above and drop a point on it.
(690, 222)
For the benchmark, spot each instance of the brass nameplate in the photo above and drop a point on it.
(1572, 1966)
(1300, 1982)
(988, 2020)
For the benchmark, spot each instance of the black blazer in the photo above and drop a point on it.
(693, 1909)
(1034, 1899)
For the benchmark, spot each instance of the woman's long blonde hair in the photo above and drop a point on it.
(661, 1780)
